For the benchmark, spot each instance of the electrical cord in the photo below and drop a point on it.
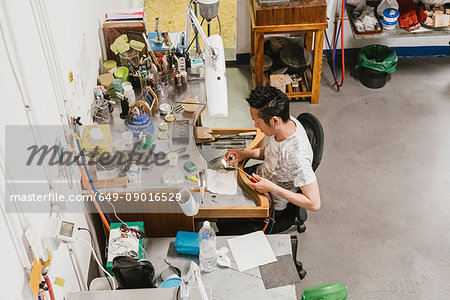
(196, 34)
(90, 235)
(220, 26)
(330, 53)
(49, 286)
(144, 252)
(92, 183)
(84, 179)
(271, 226)
(98, 262)
(335, 41)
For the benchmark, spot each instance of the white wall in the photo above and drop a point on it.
(243, 32)
(38, 86)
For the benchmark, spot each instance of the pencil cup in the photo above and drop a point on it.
(187, 203)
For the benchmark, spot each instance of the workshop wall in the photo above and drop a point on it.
(29, 76)
(243, 32)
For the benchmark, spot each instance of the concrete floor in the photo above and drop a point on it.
(383, 228)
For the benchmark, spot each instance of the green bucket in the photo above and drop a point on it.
(330, 291)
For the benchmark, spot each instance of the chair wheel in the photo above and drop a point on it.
(299, 266)
(301, 227)
(302, 274)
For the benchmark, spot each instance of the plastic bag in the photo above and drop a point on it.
(386, 4)
(437, 2)
(360, 5)
(378, 57)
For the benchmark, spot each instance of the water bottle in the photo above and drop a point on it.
(207, 245)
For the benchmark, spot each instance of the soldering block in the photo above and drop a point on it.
(190, 166)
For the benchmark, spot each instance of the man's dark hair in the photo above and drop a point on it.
(270, 102)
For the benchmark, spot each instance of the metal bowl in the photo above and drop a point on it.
(267, 63)
(296, 58)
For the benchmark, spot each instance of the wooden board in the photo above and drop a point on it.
(294, 12)
(261, 210)
(114, 29)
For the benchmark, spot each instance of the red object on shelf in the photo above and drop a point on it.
(410, 14)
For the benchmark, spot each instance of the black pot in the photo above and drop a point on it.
(372, 78)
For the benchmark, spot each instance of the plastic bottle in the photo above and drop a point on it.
(207, 245)
(128, 92)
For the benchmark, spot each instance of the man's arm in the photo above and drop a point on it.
(257, 153)
(240, 155)
(309, 198)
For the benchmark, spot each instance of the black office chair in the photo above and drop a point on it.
(297, 215)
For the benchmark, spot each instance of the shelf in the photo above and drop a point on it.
(397, 32)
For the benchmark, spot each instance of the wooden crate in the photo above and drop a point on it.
(294, 12)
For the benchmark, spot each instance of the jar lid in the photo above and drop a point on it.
(109, 64)
(390, 13)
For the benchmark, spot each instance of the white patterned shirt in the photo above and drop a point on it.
(288, 163)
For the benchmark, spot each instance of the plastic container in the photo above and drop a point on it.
(207, 245)
(131, 56)
(128, 92)
(173, 177)
(377, 57)
(187, 243)
(127, 137)
(187, 203)
(388, 25)
(170, 272)
(110, 66)
(117, 84)
(121, 73)
(331, 291)
(372, 78)
(376, 62)
(173, 159)
(390, 15)
(171, 283)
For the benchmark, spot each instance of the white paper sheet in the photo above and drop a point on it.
(222, 181)
(251, 250)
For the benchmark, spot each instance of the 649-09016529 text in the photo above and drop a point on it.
(130, 197)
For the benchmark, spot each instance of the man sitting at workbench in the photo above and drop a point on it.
(286, 171)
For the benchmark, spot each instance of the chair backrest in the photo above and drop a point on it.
(315, 134)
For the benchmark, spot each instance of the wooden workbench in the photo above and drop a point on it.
(303, 16)
(162, 218)
(168, 224)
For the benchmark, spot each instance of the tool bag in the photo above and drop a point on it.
(132, 273)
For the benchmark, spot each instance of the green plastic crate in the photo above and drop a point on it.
(330, 291)
(142, 242)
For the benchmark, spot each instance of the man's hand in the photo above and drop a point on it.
(239, 155)
(263, 185)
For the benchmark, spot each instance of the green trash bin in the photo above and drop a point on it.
(330, 291)
(376, 63)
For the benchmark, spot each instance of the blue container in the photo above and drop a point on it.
(187, 243)
(388, 25)
(390, 15)
(171, 283)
